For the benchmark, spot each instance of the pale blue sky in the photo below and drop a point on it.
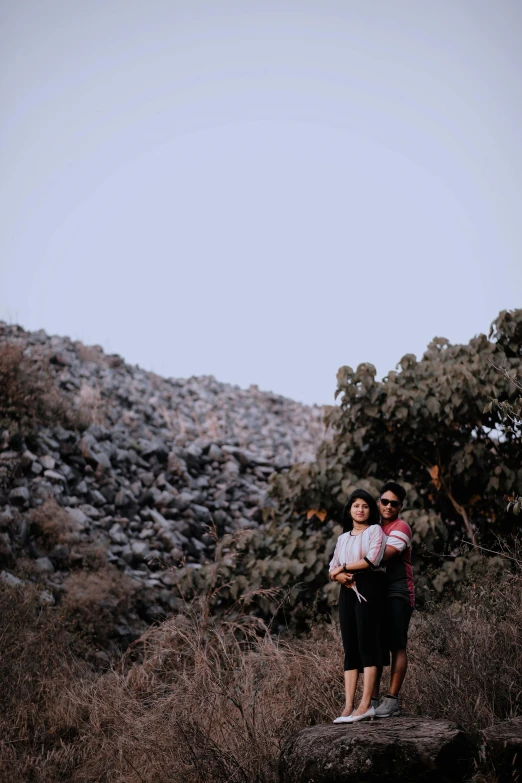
(262, 191)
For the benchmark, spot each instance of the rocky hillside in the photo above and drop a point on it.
(143, 470)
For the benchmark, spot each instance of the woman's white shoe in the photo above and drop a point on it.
(368, 715)
(343, 719)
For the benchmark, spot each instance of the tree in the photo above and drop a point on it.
(425, 424)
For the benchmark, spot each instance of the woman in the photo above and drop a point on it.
(355, 565)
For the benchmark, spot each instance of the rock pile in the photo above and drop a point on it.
(162, 464)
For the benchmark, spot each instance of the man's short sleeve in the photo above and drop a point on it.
(400, 537)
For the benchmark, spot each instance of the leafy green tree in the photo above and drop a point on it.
(423, 425)
(511, 415)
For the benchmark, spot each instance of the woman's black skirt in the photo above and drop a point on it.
(362, 623)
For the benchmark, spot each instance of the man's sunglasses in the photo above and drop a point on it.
(393, 503)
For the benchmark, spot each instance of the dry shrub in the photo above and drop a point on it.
(211, 699)
(52, 524)
(29, 395)
(201, 697)
(89, 406)
(38, 718)
(91, 605)
(90, 353)
(466, 655)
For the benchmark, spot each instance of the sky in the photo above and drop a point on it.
(262, 190)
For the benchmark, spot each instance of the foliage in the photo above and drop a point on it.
(29, 395)
(422, 425)
(206, 697)
(510, 412)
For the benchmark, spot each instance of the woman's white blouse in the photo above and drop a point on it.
(371, 543)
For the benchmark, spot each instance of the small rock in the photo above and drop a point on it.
(78, 516)
(103, 460)
(117, 535)
(97, 497)
(53, 475)
(214, 453)
(43, 565)
(7, 456)
(20, 496)
(6, 517)
(169, 578)
(183, 500)
(231, 468)
(140, 548)
(46, 598)
(158, 518)
(91, 512)
(28, 457)
(147, 479)
(202, 513)
(48, 462)
(10, 579)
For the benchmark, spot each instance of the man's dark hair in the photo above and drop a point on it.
(373, 519)
(397, 489)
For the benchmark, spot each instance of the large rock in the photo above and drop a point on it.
(503, 746)
(405, 749)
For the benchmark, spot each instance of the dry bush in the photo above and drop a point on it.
(201, 697)
(466, 655)
(89, 406)
(90, 353)
(211, 699)
(91, 605)
(29, 395)
(38, 719)
(52, 524)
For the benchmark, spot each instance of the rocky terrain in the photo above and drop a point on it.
(156, 469)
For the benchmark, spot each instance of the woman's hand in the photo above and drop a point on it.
(345, 579)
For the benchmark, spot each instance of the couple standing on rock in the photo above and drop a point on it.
(372, 562)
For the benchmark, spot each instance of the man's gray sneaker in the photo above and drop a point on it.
(375, 702)
(388, 708)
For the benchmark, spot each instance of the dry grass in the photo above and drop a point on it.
(28, 393)
(36, 671)
(52, 524)
(466, 655)
(203, 698)
(91, 606)
(89, 406)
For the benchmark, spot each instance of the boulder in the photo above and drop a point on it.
(503, 748)
(405, 749)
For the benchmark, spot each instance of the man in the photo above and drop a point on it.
(401, 595)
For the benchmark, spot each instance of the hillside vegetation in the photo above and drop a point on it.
(439, 426)
(165, 612)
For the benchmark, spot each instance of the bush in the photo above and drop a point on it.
(38, 718)
(29, 395)
(466, 654)
(201, 697)
(51, 524)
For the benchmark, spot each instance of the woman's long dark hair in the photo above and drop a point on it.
(373, 519)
